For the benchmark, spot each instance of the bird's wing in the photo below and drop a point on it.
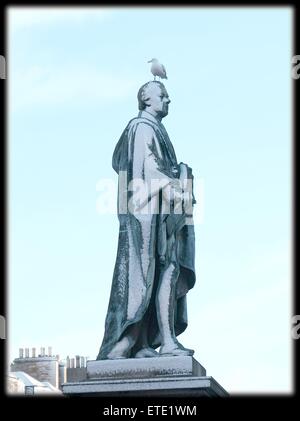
(164, 70)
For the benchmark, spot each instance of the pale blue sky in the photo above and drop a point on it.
(73, 76)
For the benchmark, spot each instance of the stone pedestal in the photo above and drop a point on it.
(153, 377)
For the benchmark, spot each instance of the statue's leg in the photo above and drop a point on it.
(135, 338)
(142, 344)
(125, 344)
(165, 304)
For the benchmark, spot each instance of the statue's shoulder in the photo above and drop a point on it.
(141, 122)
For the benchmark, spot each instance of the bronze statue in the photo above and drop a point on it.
(154, 267)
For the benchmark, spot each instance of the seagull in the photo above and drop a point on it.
(158, 69)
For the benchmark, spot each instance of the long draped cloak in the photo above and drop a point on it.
(144, 236)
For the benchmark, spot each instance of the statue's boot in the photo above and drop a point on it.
(175, 349)
(116, 356)
(146, 353)
(120, 350)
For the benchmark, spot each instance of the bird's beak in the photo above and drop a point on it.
(150, 61)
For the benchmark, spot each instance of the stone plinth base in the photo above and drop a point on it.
(137, 368)
(169, 386)
(151, 377)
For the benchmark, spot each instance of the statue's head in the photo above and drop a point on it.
(153, 97)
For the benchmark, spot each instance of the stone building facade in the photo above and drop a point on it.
(46, 367)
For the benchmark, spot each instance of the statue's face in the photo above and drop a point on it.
(158, 101)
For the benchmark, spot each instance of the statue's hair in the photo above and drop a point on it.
(142, 95)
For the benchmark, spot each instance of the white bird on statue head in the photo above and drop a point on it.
(158, 69)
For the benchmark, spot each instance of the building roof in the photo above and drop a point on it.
(28, 381)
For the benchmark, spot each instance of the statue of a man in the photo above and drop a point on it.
(154, 267)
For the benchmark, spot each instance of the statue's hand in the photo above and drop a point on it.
(186, 169)
(173, 191)
(186, 173)
(176, 190)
